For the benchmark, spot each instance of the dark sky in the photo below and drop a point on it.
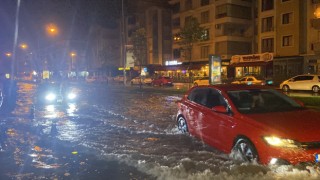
(72, 17)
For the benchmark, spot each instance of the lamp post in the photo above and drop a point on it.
(23, 46)
(73, 55)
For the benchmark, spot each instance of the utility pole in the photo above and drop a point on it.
(123, 38)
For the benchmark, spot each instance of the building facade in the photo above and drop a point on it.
(229, 28)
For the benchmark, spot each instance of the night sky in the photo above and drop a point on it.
(72, 17)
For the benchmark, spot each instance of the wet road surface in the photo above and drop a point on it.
(115, 132)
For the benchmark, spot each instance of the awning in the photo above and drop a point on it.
(244, 64)
(179, 67)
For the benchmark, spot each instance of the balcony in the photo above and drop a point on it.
(315, 1)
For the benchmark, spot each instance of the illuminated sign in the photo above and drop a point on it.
(214, 69)
(170, 63)
(252, 58)
(121, 68)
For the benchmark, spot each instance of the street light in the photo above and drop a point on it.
(23, 46)
(73, 55)
(8, 54)
(52, 30)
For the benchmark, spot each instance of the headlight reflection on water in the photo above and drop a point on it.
(71, 96)
(71, 108)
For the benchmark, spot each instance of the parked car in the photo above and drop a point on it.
(202, 81)
(141, 80)
(8, 95)
(252, 123)
(162, 81)
(249, 80)
(302, 82)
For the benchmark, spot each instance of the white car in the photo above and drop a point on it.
(302, 82)
(250, 80)
(141, 80)
(202, 81)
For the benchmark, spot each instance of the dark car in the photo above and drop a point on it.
(51, 97)
(162, 81)
(8, 95)
(252, 123)
(55, 93)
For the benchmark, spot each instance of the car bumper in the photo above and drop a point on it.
(290, 155)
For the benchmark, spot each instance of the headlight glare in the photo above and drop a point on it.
(71, 96)
(50, 97)
(279, 142)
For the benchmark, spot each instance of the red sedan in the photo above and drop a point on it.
(162, 81)
(252, 123)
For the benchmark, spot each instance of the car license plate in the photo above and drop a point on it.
(59, 100)
(317, 158)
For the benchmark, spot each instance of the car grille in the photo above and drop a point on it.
(311, 145)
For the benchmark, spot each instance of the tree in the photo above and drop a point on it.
(190, 34)
(139, 49)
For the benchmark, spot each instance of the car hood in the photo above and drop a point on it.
(302, 125)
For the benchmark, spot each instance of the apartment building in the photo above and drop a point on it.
(289, 29)
(270, 38)
(229, 30)
(155, 18)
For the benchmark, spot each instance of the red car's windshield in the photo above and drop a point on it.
(262, 101)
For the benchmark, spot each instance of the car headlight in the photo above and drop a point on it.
(51, 97)
(280, 142)
(71, 96)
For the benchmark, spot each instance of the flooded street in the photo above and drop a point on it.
(116, 132)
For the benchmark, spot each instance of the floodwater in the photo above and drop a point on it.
(120, 124)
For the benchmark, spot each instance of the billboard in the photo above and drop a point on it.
(214, 69)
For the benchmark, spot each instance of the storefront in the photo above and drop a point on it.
(253, 64)
(286, 67)
(188, 71)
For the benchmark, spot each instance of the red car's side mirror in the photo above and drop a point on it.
(220, 109)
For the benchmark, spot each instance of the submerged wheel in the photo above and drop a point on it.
(285, 88)
(315, 89)
(245, 151)
(182, 125)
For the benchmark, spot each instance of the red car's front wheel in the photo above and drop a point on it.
(182, 124)
(244, 151)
